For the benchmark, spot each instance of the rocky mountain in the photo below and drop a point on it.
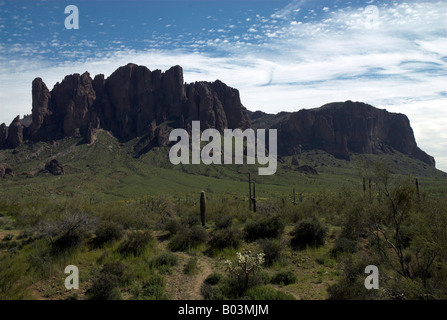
(136, 102)
(348, 127)
(132, 102)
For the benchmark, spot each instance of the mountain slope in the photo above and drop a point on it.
(111, 137)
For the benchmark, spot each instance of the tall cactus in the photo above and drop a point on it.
(294, 197)
(417, 189)
(254, 197)
(203, 208)
(250, 201)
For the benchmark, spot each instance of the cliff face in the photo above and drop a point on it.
(129, 102)
(15, 133)
(136, 102)
(349, 127)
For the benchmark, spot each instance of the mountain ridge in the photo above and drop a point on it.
(134, 102)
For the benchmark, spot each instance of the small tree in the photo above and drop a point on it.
(247, 264)
(390, 225)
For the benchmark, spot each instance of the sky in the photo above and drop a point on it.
(281, 55)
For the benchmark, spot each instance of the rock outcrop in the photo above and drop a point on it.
(132, 103)
(15, 133)
(6, 170)
(41, 106)
(349, 127)
(54, 167)
(295, 162)
(307, 169)
(135, 102)
(3, 135)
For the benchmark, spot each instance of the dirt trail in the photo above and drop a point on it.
(187, 287)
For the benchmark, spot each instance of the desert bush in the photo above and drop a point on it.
(8, 237)
(267, 293)
(309, 232)
(25, 234)
(106, 284)
(271, 249)
(211, 289)
(219, 287)
(171, 225)
(188, 238)
(164, 261)
(244, 273)
(66, 232)
(284, 277)
(190, 220)
(267, 227)
(224, 222)
(351, 286)
(107, 232)
(355, 220)
(129, 215)
(135, 243)
(225, 238)
(151, 289)
(344, 245)
(13, 284)
(213, 279)
(191, 266)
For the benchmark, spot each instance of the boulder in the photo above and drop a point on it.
(307, 169)
(6, 170)
(54, 167)
(295, 162)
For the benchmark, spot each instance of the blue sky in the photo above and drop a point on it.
(281, 55)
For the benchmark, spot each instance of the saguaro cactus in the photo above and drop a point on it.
(250, 203)
(417, 189)
(254, 197)
(251, 198)
(203, 208)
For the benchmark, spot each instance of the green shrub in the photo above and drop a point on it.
(107, 232)
(25, 235)
(213, 279)
(272, 250)
(66, 232)
(309, 232)
(210, 289)
(344, 245)
(13, 281)
(218, 287)
(284, 278)
(211, 292)
(225, 238)
(187, 238)
(8, 237)
(164, 261)
(351, 286)
(106, 284)
(190, 220)
(135, 243)
(231, 286)
(224, 222)
(152, 289)
(267, 293)
(267, 227)
(354, 222)
(191, 266)
(172, 226)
